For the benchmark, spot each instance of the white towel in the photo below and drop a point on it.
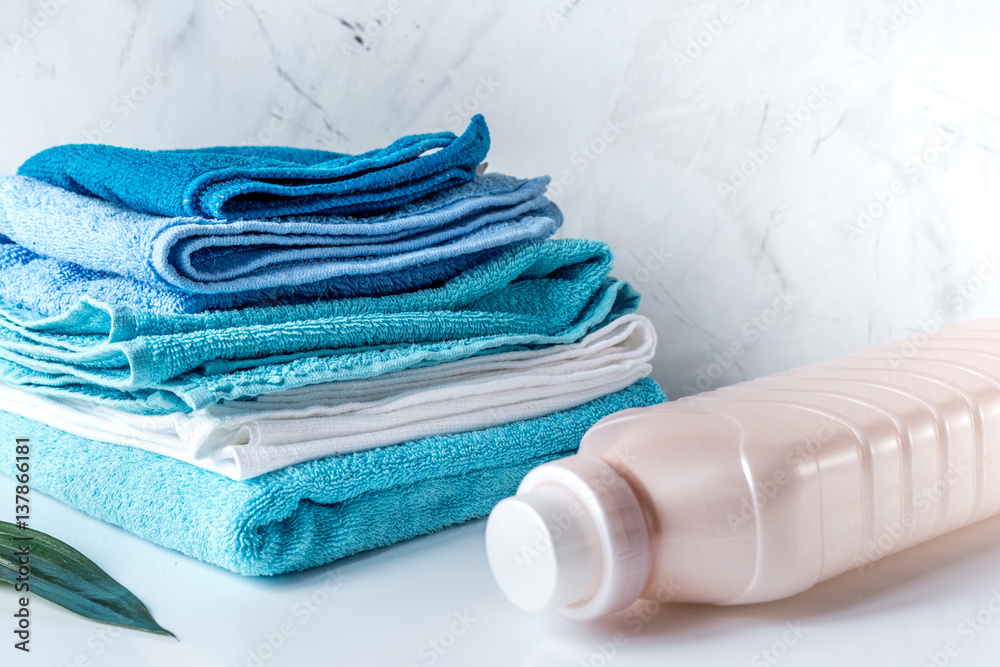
(243, 439)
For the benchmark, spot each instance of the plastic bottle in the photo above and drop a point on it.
(760, 490)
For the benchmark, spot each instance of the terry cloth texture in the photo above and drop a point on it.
(311, 513)
(250, 258)
(546, 293)
(50, 286)
(243, 439)
(250, 182)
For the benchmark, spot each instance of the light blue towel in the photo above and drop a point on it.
(251, 258)
(539, 294)
(51, 286)
(312, 513)
(251, 182)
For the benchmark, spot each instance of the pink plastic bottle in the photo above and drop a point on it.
(760, 490)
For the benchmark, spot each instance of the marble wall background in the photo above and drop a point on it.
(784, 181)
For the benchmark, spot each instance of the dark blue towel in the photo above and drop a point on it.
(246, 182)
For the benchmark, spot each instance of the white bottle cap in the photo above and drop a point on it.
(572, 539)
(542, 556)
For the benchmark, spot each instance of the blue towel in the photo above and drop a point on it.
(311, 513)
(539, 294)
(50, 286)
(251, 258)
(250, 182)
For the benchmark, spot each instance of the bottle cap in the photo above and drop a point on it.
(573, 539)
(542, 556)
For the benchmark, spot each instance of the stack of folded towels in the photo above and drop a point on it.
(270, 358)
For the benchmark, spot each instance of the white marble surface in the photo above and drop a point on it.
(724, 148)
(644, 109)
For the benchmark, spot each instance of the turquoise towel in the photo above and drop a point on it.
(538, 294)
(249, 259)
(250, 182)
(311, 513)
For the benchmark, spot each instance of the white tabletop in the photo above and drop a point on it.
(431, 601)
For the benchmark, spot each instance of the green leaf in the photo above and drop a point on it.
(63, 575)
